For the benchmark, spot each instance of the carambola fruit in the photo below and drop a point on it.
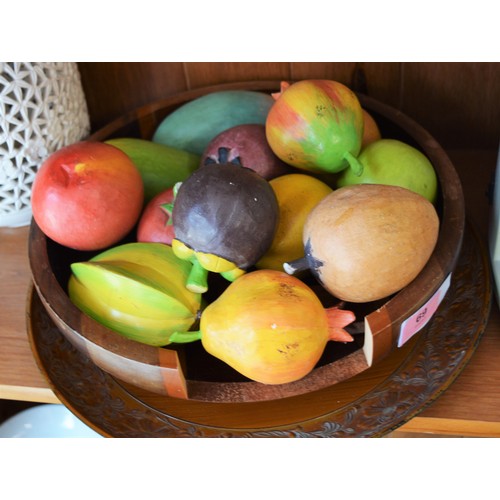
(136, 289)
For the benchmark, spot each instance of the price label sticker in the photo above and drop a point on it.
(420, 318)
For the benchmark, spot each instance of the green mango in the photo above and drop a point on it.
(192, 126)
(160, 166)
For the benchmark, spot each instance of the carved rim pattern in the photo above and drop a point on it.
(442, 350)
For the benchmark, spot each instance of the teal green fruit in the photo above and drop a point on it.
(160, 166)
(136, 289)
(192, 126)
(395, 163)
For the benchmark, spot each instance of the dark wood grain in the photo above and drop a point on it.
(456, 102)
(203, 74)
(381, 81)
(114, 88)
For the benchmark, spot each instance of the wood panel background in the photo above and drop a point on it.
(458, 103)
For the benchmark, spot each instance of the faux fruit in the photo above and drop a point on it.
(270, 327)
(393, 162)
(87, 196)
(245, 145)
(193, 125)
(160, 166)
(224, 218)
(297, 194)
(155, 224)
(136, 289)
(368, 241)
(316, 125)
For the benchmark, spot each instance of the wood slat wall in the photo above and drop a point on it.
(458, 103)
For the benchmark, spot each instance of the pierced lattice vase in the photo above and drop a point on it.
(42, 108)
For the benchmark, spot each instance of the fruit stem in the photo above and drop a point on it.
(197, 279)
(354, 163)
(185, 337)
(296, 266)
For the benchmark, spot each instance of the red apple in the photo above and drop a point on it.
(153, 224)
(87, 196)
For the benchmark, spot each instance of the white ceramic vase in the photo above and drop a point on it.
(42, 108)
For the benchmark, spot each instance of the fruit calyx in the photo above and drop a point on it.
(223, 157)
(168, 208)
(338, 319)
(283, 87)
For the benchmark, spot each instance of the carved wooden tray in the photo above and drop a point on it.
(370, 404)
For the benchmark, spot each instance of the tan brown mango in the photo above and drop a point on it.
(366, 242)
(270, 327)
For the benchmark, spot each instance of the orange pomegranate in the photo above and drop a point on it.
(271, 327)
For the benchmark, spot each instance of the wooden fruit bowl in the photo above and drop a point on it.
(187, 371)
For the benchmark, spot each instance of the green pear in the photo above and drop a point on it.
(395, 163)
